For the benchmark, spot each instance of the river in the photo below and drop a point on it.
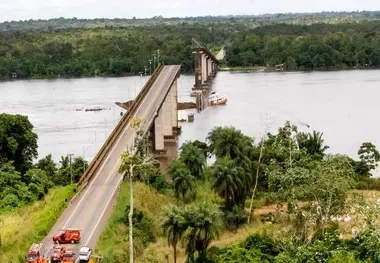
(341, 104)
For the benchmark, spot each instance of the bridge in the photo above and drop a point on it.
(156, 107)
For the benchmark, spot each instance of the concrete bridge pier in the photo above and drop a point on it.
(165, 130)
(205, 71)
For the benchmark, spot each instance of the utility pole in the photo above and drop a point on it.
(158, 57)
(71, 168)
(150, 67)
(105, 128)
(114, 116)
(83, 153)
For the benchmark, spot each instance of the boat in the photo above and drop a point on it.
(215, 99)
(94, 109)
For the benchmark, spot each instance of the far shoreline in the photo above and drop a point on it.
(248, 69)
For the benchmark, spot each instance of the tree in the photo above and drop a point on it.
(312, 143)
(227, 180)
(38, 182)
(201, 145)
(194, 159)
(228, 142)
(204, 223)
(369, 158)
(174, 225)
(18, 142)
(183, 181)
(132, 163)
(65, 171)
(48, 165)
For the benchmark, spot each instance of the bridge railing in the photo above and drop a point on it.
(112, 138)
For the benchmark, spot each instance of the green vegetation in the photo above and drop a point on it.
(24, 226)
(300, 47)
(21, 181)
(287, 168)
(75, 48)
(114, 241)
(31, 195)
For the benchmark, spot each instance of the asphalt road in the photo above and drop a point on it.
(91, 209)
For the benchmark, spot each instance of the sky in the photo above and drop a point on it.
(44, 9)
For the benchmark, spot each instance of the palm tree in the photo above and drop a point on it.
(204, 223)
(228, 180)
(174, 225)
(194, 158)
(312, 143)
(183, 181)
(228, 142)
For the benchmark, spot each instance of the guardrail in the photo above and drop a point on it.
(112, 138)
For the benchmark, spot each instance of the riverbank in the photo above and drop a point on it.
(273, 69)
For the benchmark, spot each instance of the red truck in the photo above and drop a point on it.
(35, 254)
(67, 236)
(57, 255)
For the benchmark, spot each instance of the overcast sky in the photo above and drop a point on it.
(35, 9)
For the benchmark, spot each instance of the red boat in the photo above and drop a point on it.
(215, 99)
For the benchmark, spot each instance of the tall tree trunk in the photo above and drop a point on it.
(175, 253)
(256, 180)
(130, 215)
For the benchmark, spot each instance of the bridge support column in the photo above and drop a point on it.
(198, 69)
(166, 129)
(204, 70)
(210, 69)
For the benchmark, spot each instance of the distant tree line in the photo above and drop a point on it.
(120, 51)
(315, 47)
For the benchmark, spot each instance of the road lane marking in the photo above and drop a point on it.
(109, 155)
(101, 168)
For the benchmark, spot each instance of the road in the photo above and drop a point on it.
(91, 209)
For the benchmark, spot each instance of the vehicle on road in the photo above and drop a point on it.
(85, 254)
(35, 254)
(67, 236)
(69, 257)
(57, 255)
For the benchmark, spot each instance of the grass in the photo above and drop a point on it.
(113, 244)
(25, 226)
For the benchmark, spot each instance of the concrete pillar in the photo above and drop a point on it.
(174, 106)
(159, 130)
(167, 112)
(210, 69)
(207, 67)
(198, 68)
(204, 69)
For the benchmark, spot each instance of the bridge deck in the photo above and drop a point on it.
(90, 210)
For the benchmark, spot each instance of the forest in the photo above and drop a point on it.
(53, 50)
(282, 197)
(23, 178)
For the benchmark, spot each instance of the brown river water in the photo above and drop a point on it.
(344, 105)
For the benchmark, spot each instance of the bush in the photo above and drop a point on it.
(158, 182)
(367, 183)
(143, 230)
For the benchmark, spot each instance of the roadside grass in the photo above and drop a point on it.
(113, 244)
(22, 227)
